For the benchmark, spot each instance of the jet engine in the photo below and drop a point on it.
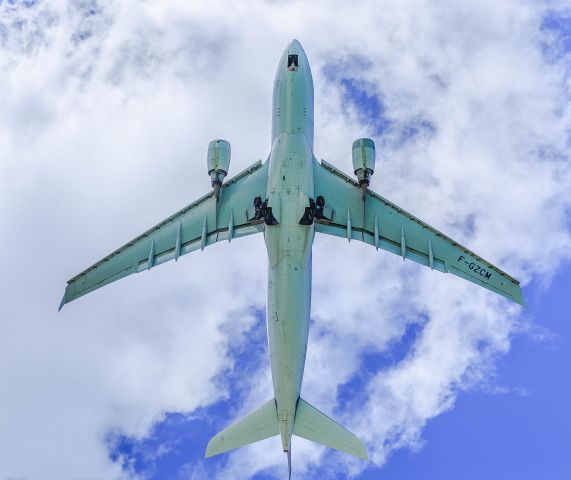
(364, 161)
(218, 162)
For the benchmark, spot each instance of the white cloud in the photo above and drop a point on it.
(107, 112)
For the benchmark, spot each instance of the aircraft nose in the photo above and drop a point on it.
(295, 45)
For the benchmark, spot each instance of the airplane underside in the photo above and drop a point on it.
(290, 198)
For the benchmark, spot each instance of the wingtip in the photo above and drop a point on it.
(518, 297)
(62, 303)
(361, 451)
(210, 450)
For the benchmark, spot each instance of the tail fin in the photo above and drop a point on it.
(258, 425)
(313, 425)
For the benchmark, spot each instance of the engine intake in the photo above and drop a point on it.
(218, 162)
(364, 160)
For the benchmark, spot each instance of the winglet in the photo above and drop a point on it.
(518, 296)
(62, 303)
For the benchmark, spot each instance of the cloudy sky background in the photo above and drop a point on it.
(106, 111)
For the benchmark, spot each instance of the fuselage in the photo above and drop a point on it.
(290, 186)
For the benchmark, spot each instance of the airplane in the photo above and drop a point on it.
(289, 198)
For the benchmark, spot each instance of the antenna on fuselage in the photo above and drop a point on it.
(289, 460)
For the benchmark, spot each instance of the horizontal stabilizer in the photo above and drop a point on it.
(258, 425)
(313, 425)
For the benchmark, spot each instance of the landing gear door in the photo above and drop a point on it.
(274, 202)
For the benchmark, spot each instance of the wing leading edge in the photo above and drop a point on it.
(196, 226)
(383, 224)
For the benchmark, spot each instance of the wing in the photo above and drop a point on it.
(383, 224)
(198, 225)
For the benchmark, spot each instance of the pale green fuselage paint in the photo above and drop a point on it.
(290, 186)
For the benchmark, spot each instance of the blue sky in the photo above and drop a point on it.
(508, 435)
(107, 112)
(523, 433)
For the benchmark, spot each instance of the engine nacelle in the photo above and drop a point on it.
(364, 160)
(218, 162)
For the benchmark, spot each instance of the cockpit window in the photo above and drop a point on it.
(292, 63)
